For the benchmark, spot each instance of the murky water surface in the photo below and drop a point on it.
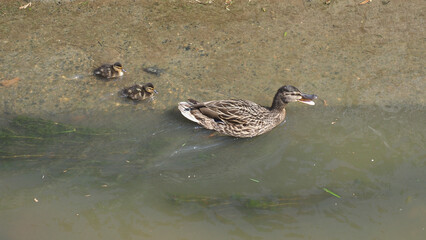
(78, 161)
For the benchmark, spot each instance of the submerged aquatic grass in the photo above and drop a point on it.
(255, 180)
(330, 192)
(29, 134)
(23, 127)
(246, 202)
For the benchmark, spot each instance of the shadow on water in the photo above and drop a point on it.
(344, 142)
(179, 170)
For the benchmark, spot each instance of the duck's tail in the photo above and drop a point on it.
(185, 109)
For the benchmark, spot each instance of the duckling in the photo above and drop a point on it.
(242, 118)
(139, 92)
(109, 71)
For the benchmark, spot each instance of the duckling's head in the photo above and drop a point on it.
(149, 88)
(287, 94)
(118, 67)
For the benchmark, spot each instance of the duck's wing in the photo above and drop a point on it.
(234, 111)
(103, 71)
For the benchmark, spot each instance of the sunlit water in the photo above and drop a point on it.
(151, 174)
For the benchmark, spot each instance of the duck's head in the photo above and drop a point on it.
(149, 88)
(118, 67)
(287, 94)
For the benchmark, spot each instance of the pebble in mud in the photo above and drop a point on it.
(154, 70)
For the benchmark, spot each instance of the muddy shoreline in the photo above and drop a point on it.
(348, 54)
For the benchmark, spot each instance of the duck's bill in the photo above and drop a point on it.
(307, 99)
(123, 70)
(155, 91)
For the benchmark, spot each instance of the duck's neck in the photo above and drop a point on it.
(277, 104)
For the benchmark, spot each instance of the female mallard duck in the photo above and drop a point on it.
(109, 71)
(242, 118)
(139, 92)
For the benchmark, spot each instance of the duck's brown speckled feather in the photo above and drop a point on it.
(108, 71)
(242, 118)
(139, 92)
(236, 117)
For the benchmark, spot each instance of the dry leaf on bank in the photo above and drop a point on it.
(7, 83)
(364, 2)
(25, 6)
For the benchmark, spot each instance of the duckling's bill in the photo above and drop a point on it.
(307, 99)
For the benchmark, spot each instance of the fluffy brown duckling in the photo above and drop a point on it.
(139, 92)
(242, 118)
(109, 71)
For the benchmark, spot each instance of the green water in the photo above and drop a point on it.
(175, 179)
(78, 161)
